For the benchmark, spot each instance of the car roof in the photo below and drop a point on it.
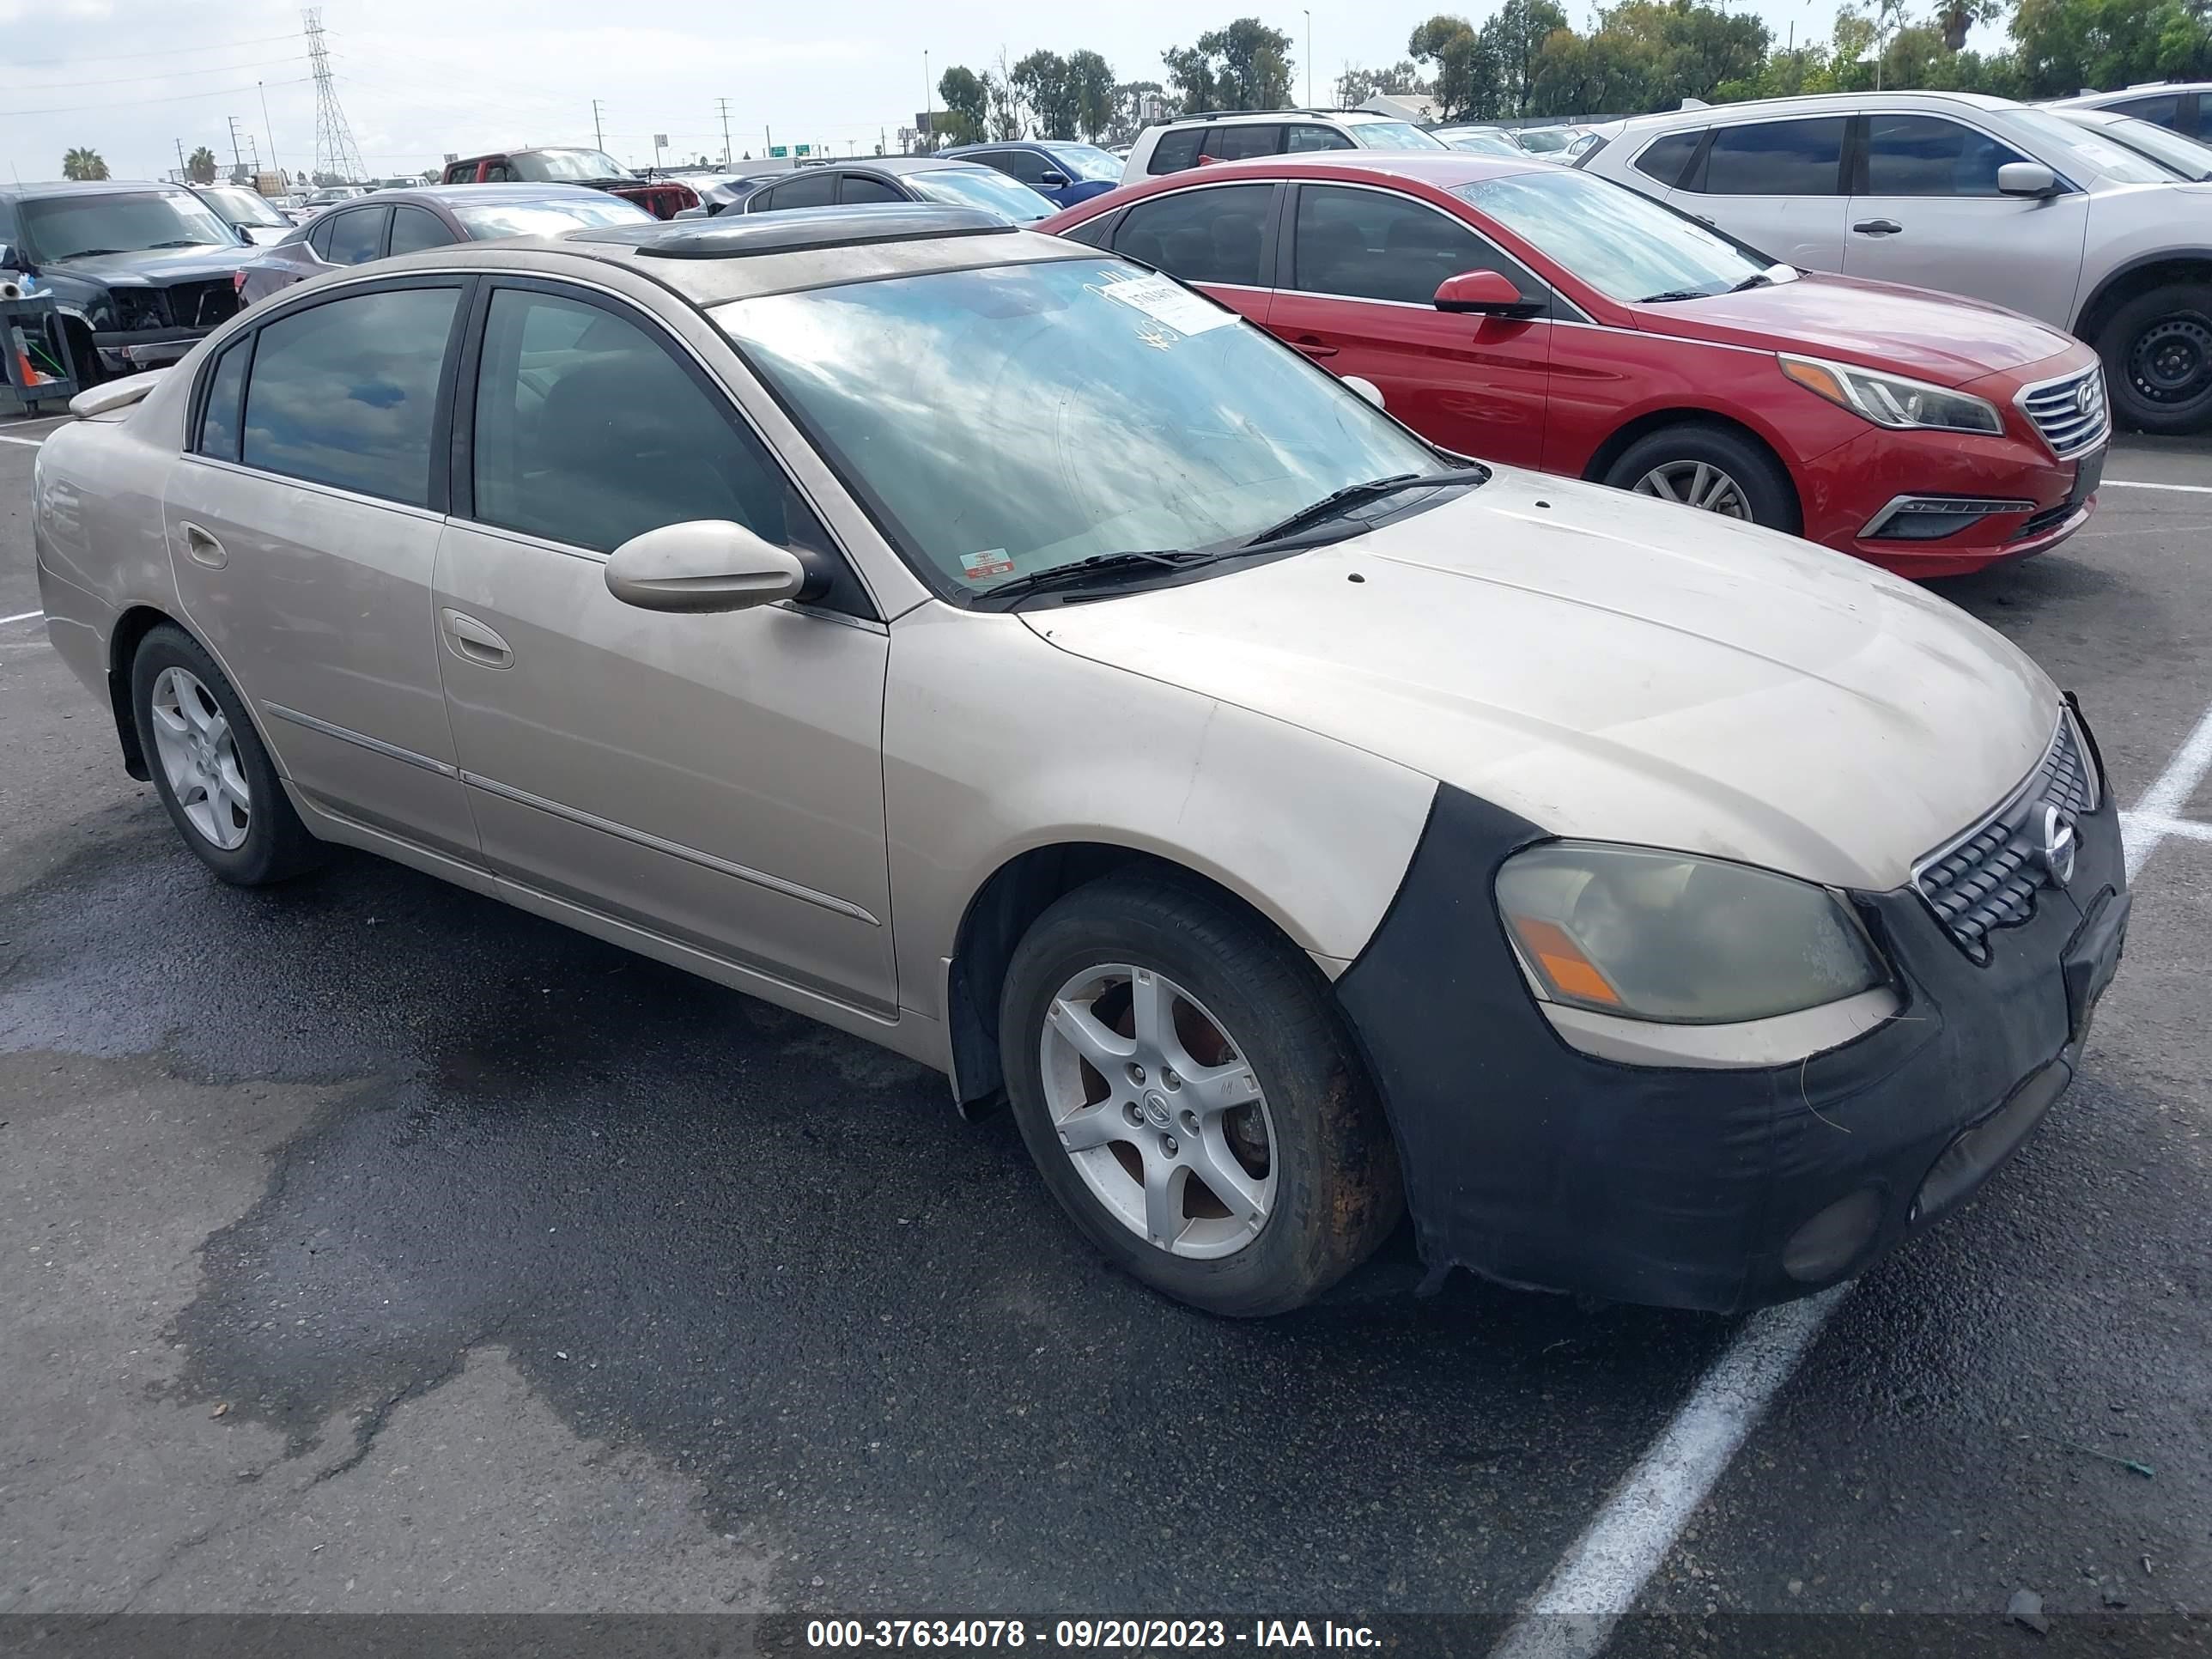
(711, 262)
(1442, 169)
(1217, 118)
(2129, 94)
(457, 195)
(1824, 103)
(83, 188)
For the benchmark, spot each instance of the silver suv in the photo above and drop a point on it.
(1977, 196)
(1241, 134)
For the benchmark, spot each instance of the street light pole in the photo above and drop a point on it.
(1309, 12)
(929, 105)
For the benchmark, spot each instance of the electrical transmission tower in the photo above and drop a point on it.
(336, 154)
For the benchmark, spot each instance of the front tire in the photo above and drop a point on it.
(1191, 1095)
(1711, 468)
(2158, 360)
(208, 766)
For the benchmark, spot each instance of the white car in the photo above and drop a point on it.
(1240, 134)
(1975, 196)
(990, 647)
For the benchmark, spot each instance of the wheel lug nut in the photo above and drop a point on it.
(1190, 1122)
(1169, 1144)
(1130, 1110)
(1136, 1072)
(1169, 1079)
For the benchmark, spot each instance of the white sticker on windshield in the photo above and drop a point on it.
(991, 562)
(1165, 301)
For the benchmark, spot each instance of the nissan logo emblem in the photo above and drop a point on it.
(2055, 845)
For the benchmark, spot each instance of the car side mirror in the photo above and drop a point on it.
(2027, 179)
(1054, 179)
(1366, 389)
(1485, 292)
(706, 565)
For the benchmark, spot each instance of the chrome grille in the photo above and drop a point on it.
(2056, 408)
(1988, 877)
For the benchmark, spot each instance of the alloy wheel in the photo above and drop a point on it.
(1696, 483)
(199, 757)
(1159, 1111)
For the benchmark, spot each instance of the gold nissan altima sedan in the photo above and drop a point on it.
(995, 649)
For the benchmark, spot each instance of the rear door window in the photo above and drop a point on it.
(1210, 235)
(1240, 144)
(415, 228)
(357, 235)
(1665, 160)
(346, 393)
(1927, 155)
(1776, 158)
(1175, 150)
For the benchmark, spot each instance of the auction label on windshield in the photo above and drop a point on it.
(1166, 301)
(991, 562)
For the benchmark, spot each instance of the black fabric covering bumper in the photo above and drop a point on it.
(1532, 1162)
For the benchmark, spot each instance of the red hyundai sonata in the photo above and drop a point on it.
(1539, 317)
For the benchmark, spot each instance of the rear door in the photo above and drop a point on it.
(1217, 237)
(1778, 185)
(716, 780)
(303, 529)
(1364, 263)
(1927, 211)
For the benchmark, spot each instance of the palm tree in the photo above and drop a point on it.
(201, 169)
(83, 164)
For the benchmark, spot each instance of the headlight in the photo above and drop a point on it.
(1664, 936)
(1893, 401)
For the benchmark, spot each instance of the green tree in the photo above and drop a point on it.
(1091, 88)
(1466, 68)
(1042, 78)
(83, 164)
(1357, 85)
(2064, 46)
(966, 107)
(1510, 38)
(200, 169)
(1245, 65)
(1133, 100)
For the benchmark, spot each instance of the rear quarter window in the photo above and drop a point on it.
(1665, 160)
(1175, 151)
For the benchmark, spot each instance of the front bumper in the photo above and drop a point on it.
(1850, 491)
(128, 351)
(1536, 1165)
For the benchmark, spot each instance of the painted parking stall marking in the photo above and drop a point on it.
(24, 616)
(1573, 1614)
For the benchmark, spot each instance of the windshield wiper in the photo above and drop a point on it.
(1081, 572)
(1757, 279)
(181, 242)
(91, 252)
(1374, 489)
(1675, 294)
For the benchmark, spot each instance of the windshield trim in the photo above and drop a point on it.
(938, 583)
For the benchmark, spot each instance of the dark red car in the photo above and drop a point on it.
(664, 199)
(1539, 317)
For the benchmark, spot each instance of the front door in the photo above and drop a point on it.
(1929, 213)
(716, 780)
(1778, 185)
(303, 527)
(1365, 265)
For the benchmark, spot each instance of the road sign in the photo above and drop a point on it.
(660, 141)
(780, 151)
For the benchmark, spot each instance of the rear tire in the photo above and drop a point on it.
(2158, 360)
(1710, 467)
(1226, 1148)
(208, 763)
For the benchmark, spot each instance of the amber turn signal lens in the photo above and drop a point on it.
(1561, 961)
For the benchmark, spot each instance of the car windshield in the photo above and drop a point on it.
(1391, 135)
(1546, 141)
(1016, 419)
(2076, 150)
(1623, 244)
(246, 207)
(978, 187)
(551, 166)
(1480, 140)
(1085, 161)
(486, 220)
(70, 227)
(2184, 157)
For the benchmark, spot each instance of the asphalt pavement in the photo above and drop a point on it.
(371, 1246)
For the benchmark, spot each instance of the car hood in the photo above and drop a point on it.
(1616, 668)
(1932, 336)
(156, 267)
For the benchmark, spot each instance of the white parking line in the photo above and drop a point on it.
(28, 443)
(23, 617)
(1598, 1580)
(2137, 483)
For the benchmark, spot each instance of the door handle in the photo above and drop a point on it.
(202, 548)
(471, 641)
(1878, 227)
(1314, 346)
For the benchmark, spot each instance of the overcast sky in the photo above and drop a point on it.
(132, 79)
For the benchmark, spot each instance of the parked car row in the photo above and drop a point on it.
(984, 644)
